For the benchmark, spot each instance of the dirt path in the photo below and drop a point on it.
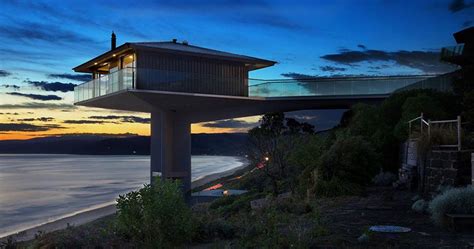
(348, 218)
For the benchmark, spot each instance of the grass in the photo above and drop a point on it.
(334, 222)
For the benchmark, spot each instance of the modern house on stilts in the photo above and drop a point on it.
(181, 84)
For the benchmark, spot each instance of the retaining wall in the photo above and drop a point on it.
(451, 168)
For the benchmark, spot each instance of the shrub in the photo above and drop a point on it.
(350, 159)
(261, 229)
(384, 178)
(292, 206)
(303, 160)
(457, 201)
(442, 188)
(365, 120)
(415, 198)
(155, 216)
(229, 205)
(252, 181)
(223, 201)
(221, 229)
(398, 107)
(430, 106)
(419, 206)
(10, 243)
(336, 187)
(344, 169)
(210, 228)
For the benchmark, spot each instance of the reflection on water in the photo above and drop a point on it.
(38, 188)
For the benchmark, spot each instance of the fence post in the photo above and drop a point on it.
(459, 133)
(409, 129)
(421, 124)
(429, 129)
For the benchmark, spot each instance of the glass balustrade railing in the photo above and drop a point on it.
(331, 86)
(161, 80)
(113, 82)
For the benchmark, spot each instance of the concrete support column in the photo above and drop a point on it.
(171, 147)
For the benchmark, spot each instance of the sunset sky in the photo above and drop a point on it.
(42, 40)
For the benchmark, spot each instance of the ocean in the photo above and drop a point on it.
(35, 189)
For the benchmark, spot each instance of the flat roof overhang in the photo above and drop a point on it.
(205, 107)
(97, 61)
(251, 62)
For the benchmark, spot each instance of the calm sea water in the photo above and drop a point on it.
(38, 188)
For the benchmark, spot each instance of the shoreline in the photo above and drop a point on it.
(101, 210)
(212, 177)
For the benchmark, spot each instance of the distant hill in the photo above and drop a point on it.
(201, 144)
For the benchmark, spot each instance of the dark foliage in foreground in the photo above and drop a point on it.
(155, 216)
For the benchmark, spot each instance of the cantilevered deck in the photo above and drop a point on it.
(124, 80)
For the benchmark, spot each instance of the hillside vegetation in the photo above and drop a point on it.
(299, 183)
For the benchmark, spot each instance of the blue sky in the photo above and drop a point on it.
(42, 40)
(53, 36)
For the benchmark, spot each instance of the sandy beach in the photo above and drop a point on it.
(212, 177)
(80, 218)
